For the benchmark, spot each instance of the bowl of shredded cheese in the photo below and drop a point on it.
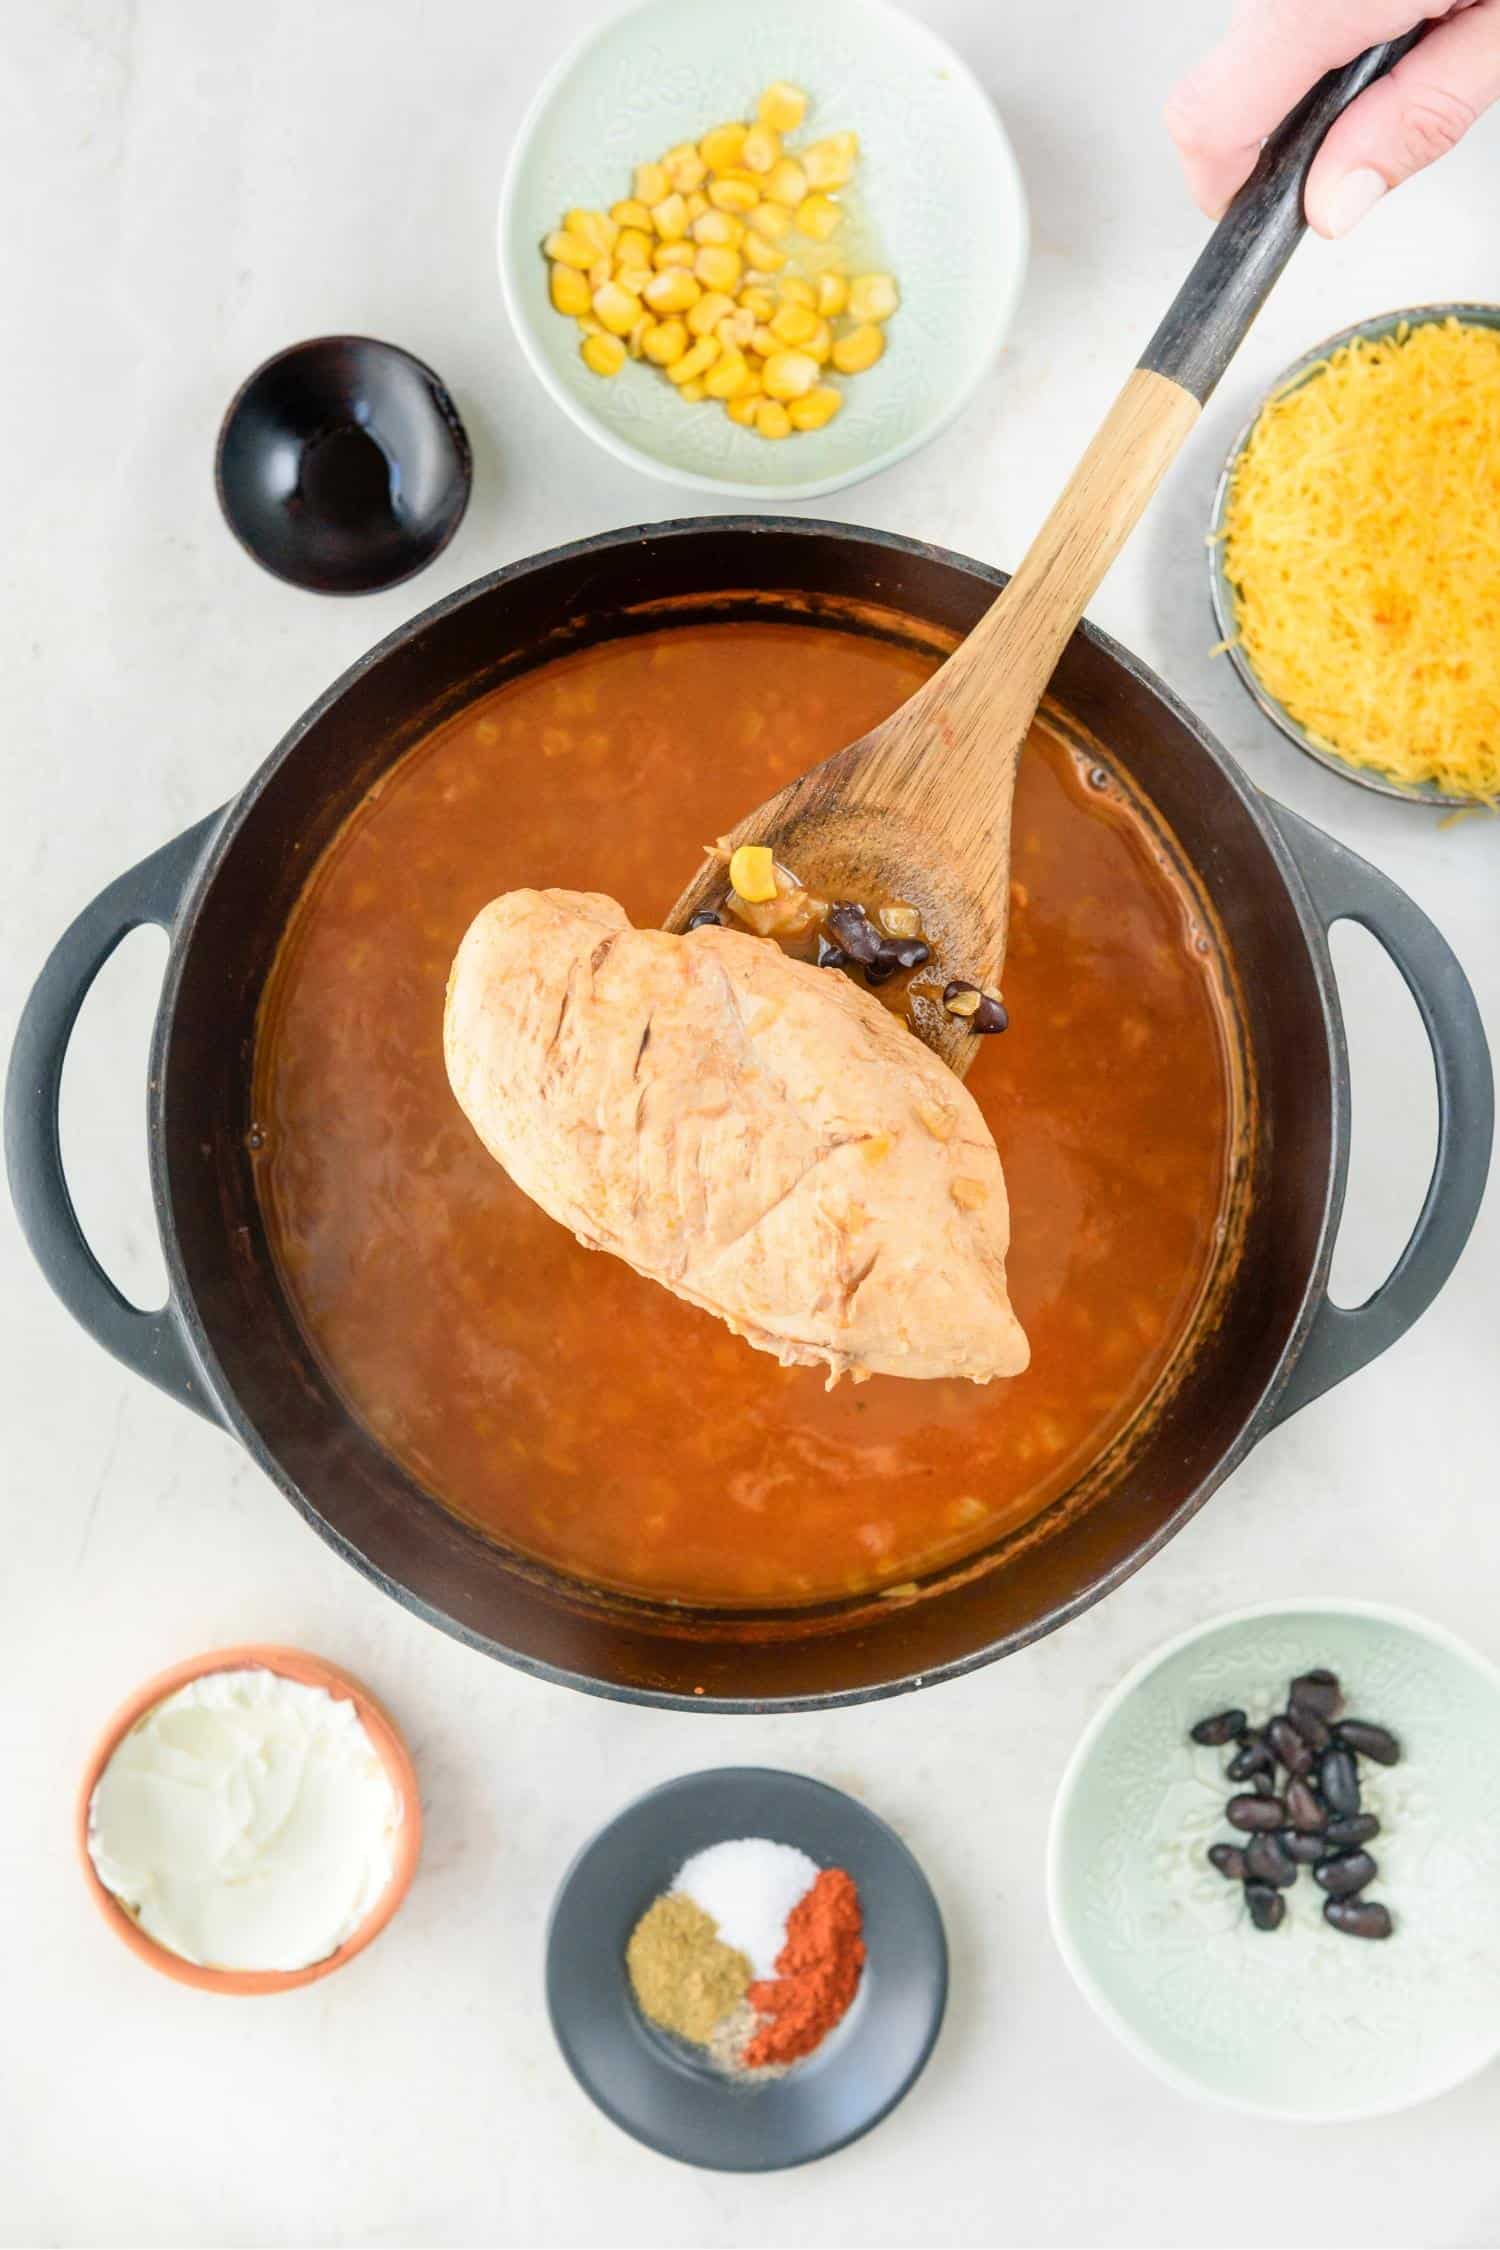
(1354, 566)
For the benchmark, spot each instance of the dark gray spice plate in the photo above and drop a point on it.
(662, 2092)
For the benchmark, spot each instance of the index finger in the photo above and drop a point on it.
(1274, 50)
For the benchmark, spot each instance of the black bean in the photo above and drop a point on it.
(1343, 1876)
(1222, 1727)
(1306, 1807)
(1370, 1741)
(1229, 1860)
(1358, 1917)
(1338, 1777)
(1289, 1746)
(1320, 1691)
(1351, 1828)
(1267, 1906)
(986, 1014)
(881, 970)
(1269, 1862)
(855, 932)
(704, 916)
(1304, 1849)
(1252, 1757)
(831, 956)
(1264, 1784)
(1255, 1812)
(1310, 1724)
(907, 952)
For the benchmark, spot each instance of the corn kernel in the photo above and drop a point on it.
(728, 376)
(651, 184)
(570, 290)
(602, 270)
(763, 256)
(720, 229)
(794, 290)
(670, 217)
(759, 302)
(791, 374)
(818, 216)
(859, 349)
(772, 221)
(666, 342)
(793, 324)
(672, 291)
(635, 342)
(782, 106)
(593, 228)
(719, 269)
(762, 148)
(816, 408)
(772, 419)
(736, 328)
(763, 342)
(722, 148)
(632, 213)
(873, 296)
(833, 294)
(710, 309)
(736, 194)
(819, 345)
(669, 254)
(786, 183)
(604, 354)
(616, 308)
(589, 325)
(566, 249)
(742, 409)
(695, 361)
(633, 247)
(693, 393)
(697, 204)
(752, 873)
(685, 167)
(830, 163)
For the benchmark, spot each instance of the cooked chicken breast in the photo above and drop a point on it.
(761, 1136)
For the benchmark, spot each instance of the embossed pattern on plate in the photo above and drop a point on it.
(938, 202)
(1300, 2022)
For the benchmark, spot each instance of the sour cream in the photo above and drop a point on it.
(247, 1822)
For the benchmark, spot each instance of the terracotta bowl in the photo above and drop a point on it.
(311, 1671)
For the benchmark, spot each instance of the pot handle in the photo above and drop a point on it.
(151, 1343)
(1346, 888)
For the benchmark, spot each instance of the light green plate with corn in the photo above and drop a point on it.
(937, 202)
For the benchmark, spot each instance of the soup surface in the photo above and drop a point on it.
(549, 1394)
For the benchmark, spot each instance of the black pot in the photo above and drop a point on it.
(228, 1345)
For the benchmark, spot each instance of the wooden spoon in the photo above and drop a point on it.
(919, 809)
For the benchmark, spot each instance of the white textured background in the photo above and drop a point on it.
(187, 185)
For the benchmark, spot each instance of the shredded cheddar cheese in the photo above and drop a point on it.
(1362, 541)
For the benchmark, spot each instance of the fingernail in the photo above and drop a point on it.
(1356, 194)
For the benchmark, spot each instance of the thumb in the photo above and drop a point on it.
(1408, 120)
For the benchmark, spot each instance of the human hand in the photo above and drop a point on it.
(1275, 50)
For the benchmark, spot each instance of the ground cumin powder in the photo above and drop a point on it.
(684, 1977)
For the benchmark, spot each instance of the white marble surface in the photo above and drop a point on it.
(188, 185)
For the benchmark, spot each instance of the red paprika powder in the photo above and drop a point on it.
(817, 1973)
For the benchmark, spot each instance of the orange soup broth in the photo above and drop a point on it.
(585, 1416)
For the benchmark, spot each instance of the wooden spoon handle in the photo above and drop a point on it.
(1030, 625)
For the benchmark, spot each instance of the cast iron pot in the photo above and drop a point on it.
(228, 1345)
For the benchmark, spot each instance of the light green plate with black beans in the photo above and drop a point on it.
(1302, 2021)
